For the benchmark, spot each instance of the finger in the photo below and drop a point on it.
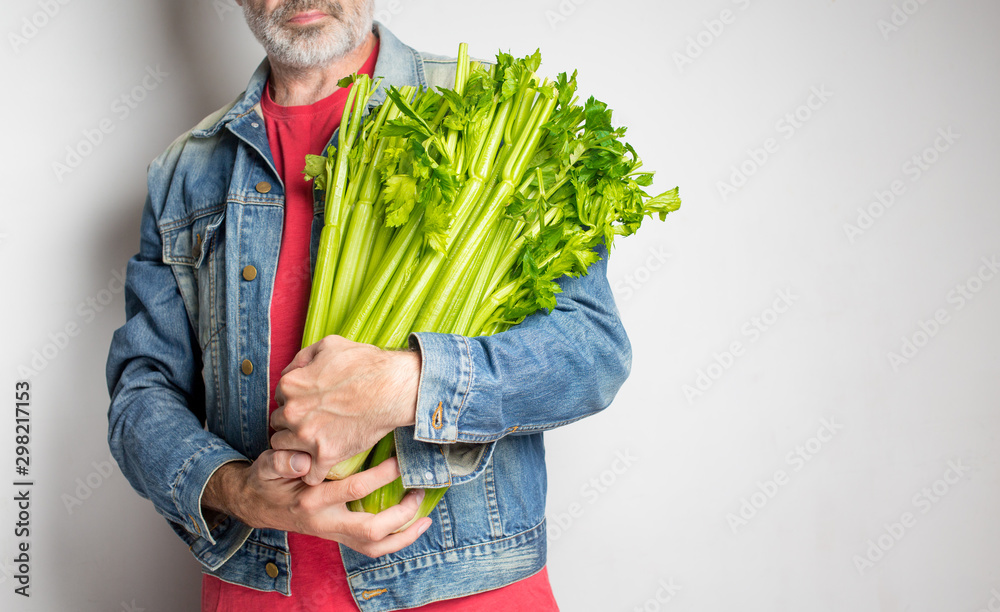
(302, 358)
(339, 468)
(277, 464)
(373, 532)
(361, 484)
(324, 465)
(286, 440)
(279, 418)
(392, 543)
(276, 420)
(395, 518)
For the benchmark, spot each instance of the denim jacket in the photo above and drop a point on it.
(188, 374)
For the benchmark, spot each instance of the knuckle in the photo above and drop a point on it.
(369, 532)
(356, 488)
(309, 430)
(309, 503)
(292, 410)
(302, 507)
(327, 451)
(330, 341)
(324, 454)
(375, 549)
(276, 442)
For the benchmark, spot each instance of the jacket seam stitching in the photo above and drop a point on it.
(168, 226)
(468, 386)
(240, 199)
(525, 533)
(470, 437)
(180, 473)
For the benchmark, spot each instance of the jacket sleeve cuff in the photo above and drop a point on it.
(447, 373)
(432, 453)
(189, 486)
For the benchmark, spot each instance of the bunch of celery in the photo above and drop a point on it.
(455, 211)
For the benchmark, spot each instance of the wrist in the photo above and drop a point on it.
(225, 490)
(407, 369)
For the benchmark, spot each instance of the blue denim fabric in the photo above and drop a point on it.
(182, 405)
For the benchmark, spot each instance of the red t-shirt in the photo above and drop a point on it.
(319, 581)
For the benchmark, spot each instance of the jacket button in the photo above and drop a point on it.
(247, 367)
(272, 570)
(249, 273)
(263, 187)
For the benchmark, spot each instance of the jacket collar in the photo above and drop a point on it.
(397, 64)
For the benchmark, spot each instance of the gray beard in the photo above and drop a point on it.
(314, 45)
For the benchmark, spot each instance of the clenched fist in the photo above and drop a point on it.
(338, 398)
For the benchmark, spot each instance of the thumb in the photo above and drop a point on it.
(276, 464)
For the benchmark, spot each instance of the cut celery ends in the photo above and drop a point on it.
(348, 467)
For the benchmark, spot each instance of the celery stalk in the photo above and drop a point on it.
(455, 211)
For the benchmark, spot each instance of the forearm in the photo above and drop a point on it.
(156, 428)
(164, 452)
(224, 491)
(269, 494)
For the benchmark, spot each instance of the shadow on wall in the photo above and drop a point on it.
(133, 560)
(216, 50)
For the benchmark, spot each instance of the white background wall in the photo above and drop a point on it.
(704, 92)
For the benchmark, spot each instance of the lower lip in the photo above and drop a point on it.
(307, 17)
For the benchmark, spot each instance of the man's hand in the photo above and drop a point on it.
(338, 398)
(270, 494)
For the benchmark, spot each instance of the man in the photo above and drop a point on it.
(205, 374)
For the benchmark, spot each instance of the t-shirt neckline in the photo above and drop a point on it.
(337, 98)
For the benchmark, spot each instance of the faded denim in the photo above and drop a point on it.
(181, 405)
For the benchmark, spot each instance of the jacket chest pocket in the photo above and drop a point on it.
(195, 249)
